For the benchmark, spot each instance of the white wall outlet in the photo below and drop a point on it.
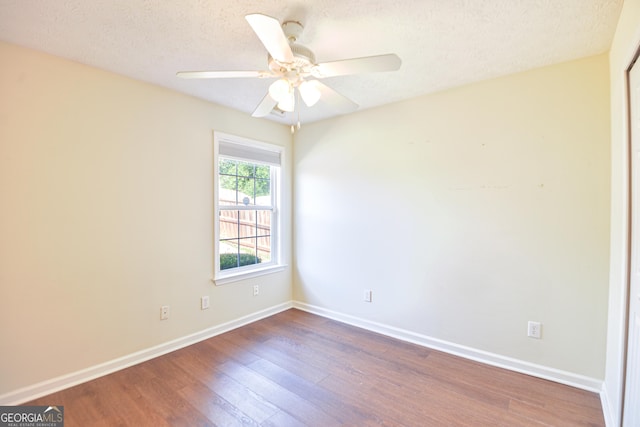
(256, 290)
(164, 312)
(534, 329)
(368, 295)
(204, 302)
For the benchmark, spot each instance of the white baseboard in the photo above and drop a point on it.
(610, 416)
(559, 376)
(69, 380)
(44, 388)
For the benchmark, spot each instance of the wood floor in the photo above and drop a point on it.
(298, 369)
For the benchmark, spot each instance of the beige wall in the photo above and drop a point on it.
(468, 213)
(625, 45)
(106, 214)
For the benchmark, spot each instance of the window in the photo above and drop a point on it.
(246, 207)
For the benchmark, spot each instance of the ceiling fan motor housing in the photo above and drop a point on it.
(292, 30)
(303, 56)
(303, 61)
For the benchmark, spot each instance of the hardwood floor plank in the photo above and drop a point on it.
(241, 395)
(294, 365)
(169, 405)
(378, 405)
(285, 400)
(329, 402)
(484, 377)
(282, 419)
(297, 369)
(218, 410)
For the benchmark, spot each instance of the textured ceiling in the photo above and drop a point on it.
(442, 43)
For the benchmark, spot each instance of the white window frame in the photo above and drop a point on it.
(258, 152)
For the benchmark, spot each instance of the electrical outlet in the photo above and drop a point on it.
(368, 295)
(534, 329)
(204, 302)
(164, 312)
(256, 290)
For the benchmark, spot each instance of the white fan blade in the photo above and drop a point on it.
(222, 74)
(367, 64)
(333, 98)
(270, 33)
(265, 106)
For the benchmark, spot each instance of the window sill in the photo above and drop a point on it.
(235, 277)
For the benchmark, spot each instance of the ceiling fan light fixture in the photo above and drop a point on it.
(288, 102)
(309, 93)
(291, 63)
(280, 89)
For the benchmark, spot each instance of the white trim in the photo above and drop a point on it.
(242, 275)
(607, 410)
(44, 388)
(246, 208)
(559, 376)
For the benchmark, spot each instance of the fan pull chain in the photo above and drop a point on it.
(296, 107)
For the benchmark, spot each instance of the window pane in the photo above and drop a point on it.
(264, 248)
(244, 183)
(263, 235)
(263, 192)
(263, 223)
(247, 224)
(244, 237)
(229, 224)
(228, 182)
(245, 191)
(248, 252)
(228, 254)
(263, 171)
(226, 197)
(227, 167)
(238, 253)
(246, 169)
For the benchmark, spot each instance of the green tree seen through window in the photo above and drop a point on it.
(247, 178)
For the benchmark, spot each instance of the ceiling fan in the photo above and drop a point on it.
(295, 68)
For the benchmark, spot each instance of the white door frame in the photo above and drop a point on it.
(631, 378)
